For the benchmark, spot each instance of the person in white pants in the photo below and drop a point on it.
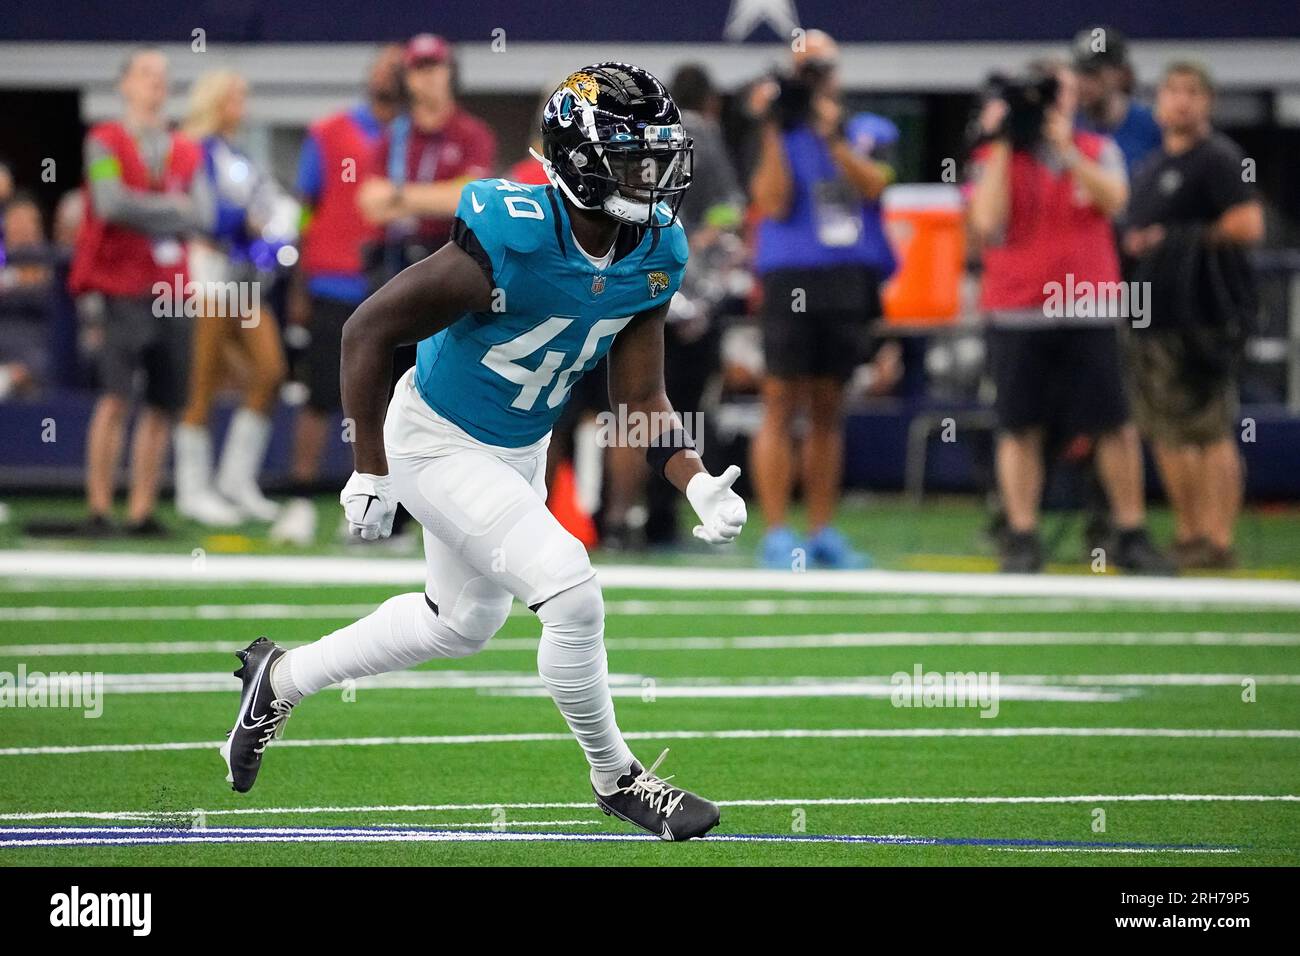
(250, 208)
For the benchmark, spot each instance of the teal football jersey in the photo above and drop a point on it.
(504, 375)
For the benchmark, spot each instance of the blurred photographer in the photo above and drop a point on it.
(821, 254)
(1043, 198)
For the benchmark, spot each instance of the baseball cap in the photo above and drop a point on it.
(426, 48)
(1113, 48)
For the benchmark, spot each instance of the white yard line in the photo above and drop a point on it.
(632, 607)
(319, 571)
(760, 642)
(528, 684)
(844, 733)
(146, 815)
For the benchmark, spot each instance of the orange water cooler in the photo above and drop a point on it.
(923, 222)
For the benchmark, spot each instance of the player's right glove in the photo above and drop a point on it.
(369, 506)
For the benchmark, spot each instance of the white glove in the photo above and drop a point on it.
(721, 510)
(369, 506)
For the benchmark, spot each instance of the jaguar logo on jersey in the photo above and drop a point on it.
(657, 281)
(597, 285)
(584, 85)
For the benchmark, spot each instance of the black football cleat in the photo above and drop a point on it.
(647, 801)
(262, 715)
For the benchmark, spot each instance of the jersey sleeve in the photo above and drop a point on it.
(496, 219)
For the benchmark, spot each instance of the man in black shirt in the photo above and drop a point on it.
(1191, 217)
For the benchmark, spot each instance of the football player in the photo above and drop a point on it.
(532, 290)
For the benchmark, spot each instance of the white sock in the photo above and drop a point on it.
(571, 660)
(606, 781)
(400, 633)
(193, 462)
(282, 685)
(244, 449)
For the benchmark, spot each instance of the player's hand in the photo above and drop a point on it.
(721, 510)
(369, 506)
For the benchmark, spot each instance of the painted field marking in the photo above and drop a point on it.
(762, 642)
(529, 684)
(106, 836)
(846, 733)
(636, 607)
(162, 816)
(318, 571)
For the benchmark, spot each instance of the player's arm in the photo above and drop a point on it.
(636, 385)
(419, 301)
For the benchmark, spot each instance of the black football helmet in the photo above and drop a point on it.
(612, 139)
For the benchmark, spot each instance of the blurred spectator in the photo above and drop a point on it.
(1106, 103)
(6, 184)
(253, 217)
(424, 160)
(822, 255)
(1191, 218)
(1041, 206)
(24, 298)
(331, 281)
(143, 196)
(67, 218)
(22, 229)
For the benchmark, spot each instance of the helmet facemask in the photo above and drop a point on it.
(626, 160)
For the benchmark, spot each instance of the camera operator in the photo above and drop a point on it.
(822, 255)
(1041, 207)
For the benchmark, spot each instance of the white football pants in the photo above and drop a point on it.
(488, 538)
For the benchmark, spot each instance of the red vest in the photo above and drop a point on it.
(1052, 230)
(117, 260)
(332, 241)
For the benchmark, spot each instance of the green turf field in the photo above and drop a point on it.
(1121, 733)
(946, 533)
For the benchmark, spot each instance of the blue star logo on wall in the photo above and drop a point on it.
(745, 16)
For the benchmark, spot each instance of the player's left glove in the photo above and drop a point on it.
(369, 506)
(721, 510)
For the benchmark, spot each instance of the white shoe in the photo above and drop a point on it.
(195, 498)
(296, 524)
(210, 509)
(241, 459)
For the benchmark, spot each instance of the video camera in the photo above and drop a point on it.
(1027, 97)
(793, 103)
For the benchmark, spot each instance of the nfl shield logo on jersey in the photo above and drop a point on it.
(597, 285)
(658, 281)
